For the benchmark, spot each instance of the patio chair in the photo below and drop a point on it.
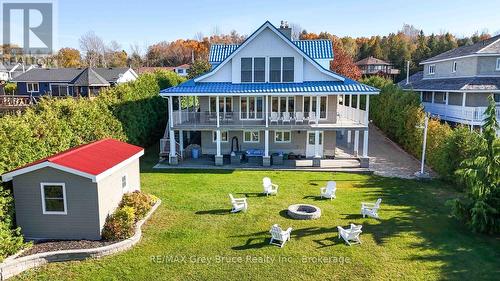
(239, 204)
(329, 190)
(274, 117)
(351, 234)
(279, 236)
(299, 117)
(312, 117)
(370, 209)
(286, 117)
(269, 187)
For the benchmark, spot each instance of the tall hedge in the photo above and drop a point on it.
(400, 115)
(132, 112)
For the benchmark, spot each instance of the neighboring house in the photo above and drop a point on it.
(455, 85)
(11, 71)
(182, 70)
(70, 194)
(372, 66)
(252, 91)
(151, 69)
(71, 81)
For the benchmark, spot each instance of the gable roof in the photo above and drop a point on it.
(95, 160)
(316, 49)
(111, 75)
(267, 24)
(371, 60)
(488, 46)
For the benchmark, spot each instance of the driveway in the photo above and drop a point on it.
(386, 158)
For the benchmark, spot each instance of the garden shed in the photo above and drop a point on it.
(70, 194)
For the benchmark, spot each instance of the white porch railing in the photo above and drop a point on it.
(456, 113)
(351, 113)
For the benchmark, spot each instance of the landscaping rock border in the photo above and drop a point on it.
(13, 265)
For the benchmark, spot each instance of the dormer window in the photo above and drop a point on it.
(253, 70)
(454, 67)
(281, 69)
(432, 69)
(498, 64)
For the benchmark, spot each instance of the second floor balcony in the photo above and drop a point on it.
(345, 117)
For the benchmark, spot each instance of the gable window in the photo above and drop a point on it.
(251, 136)
(251, 107)
(498, 64)
(432, 69)
(275, 70)
(282, 136)
(53, 198)
(32, 87)
(259, 70)
(223, 136)
(246, 70)
(454, 67)
(124, 183)
(288, 73)
(309, 105)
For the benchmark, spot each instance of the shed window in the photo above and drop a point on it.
(454, 67)
(53, 198)
(432, 69)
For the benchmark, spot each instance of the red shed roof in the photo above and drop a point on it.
(88, 160)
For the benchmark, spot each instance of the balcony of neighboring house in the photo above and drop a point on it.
(463, 108)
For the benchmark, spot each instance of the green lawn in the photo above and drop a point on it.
(415, 238)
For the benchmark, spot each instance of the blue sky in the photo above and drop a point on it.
(147, 21)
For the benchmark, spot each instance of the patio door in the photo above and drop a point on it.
(310, 144)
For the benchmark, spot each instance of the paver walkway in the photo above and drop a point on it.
(386, 158)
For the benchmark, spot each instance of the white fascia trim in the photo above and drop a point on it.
(289, 42)
(8, 176)
(455, 91)
(118, 166)
(166, 95)
(460, 57)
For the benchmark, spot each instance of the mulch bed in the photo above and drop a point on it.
(57, 245)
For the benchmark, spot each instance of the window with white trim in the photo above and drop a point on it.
(498, 64)
(59, 90)
(225, 105)
(32, 87)
(124, 182)
(432, 69)
(283, 104)
(251, 107)
(281, 69)
(251, 136)
(223, 136)
(454, 67)
(282, 136)
(53, 198)
(253, 70)
(309, 105)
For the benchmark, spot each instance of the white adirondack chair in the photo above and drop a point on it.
(274, 117)
(286, 117)
(312, 117)
(279, 236)
(239, 204)
(299, 117)
(351, 234)
(370, 209)
(329, 190)
(269, 187)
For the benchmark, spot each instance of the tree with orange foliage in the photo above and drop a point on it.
(343, 63)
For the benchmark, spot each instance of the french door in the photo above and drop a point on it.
(310, 102)
(310, 140)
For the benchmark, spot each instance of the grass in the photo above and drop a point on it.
(192, 236)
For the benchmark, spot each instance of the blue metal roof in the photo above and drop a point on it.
(346, 86)
(316, 49)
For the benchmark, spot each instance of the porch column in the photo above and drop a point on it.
(266, 160)
(356, 142)
(172, 159)
(219, 160)
(464, 97)
(350, 114)
(344, 112)
(364, 162)
(432, 97)
(358, 101)
(181, 142)
(180, 110)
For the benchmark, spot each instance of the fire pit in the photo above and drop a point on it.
(304, 212)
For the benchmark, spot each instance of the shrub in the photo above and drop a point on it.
(11, 240)
(139, 201)
(119, 225)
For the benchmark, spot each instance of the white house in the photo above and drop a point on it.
(271, 95)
